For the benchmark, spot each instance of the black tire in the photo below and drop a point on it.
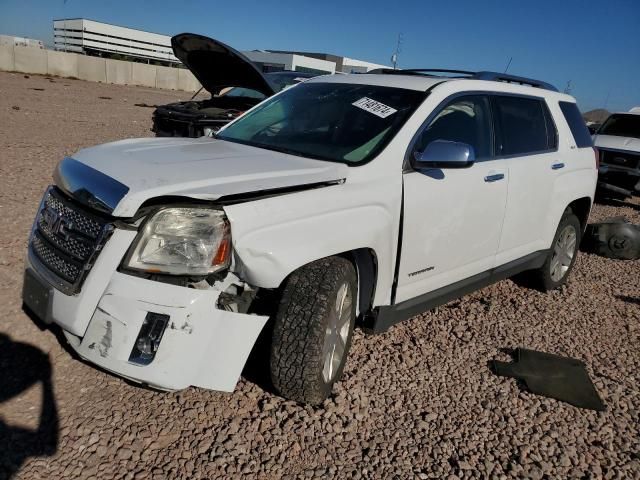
(543, 276)
(300, 323)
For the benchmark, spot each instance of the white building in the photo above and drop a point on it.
(276, 61)
(20, 41)
(103, 39)
(342, 64)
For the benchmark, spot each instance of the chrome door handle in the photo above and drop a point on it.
(494, 178)
(557, 166)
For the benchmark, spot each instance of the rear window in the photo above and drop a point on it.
(525, 126)
(621, 125)
(576, 124)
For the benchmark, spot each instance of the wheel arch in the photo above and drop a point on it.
(581, 208)
(365, 263)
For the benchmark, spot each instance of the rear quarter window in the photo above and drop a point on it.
(576, 123)
(525, 126)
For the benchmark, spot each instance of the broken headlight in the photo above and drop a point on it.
(183, 241)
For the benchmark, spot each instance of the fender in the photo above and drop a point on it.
(582, 184)
(272, 237)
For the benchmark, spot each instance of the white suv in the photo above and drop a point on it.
(344, 199)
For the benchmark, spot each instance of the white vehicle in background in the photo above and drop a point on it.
(618, 141)
(348, 199)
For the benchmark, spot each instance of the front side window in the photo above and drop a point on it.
(621, 125)
(466, 120)
(327, 121)
(523, 125)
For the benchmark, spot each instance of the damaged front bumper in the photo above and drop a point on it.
(202, 345)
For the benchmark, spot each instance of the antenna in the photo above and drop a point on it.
(394, 57)
(508, 65)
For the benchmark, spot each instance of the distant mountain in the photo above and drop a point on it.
(598, 115)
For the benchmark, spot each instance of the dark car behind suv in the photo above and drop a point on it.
(235, 85)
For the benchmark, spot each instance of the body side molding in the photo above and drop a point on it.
(388, 315)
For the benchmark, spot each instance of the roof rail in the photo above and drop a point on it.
(505, 77)
(491, 76)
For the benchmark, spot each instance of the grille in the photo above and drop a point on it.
(66, 239)
(620, 159)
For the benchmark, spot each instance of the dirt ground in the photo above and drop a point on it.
(416, 402)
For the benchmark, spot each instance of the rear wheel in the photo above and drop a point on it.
(312, 330)
(563, 253)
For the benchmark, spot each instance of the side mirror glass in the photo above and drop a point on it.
(445, 154)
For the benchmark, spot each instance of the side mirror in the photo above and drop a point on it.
(445, 154)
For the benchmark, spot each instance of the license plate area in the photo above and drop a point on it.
(37, 296)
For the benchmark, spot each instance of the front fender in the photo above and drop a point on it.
(272, 237)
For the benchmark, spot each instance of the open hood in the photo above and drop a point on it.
(216, 65)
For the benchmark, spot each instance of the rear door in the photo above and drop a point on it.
(452, 216)
(527, 140)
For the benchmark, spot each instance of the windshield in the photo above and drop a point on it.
(242, 92)
(327, 121)
(621, 125)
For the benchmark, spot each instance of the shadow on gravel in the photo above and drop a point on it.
(612, 202)
(22, 366)
(257, 369)
(629, 299)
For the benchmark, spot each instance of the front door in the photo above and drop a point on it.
(453, 217)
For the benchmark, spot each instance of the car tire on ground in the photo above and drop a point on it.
(312, 329)
(562, 255)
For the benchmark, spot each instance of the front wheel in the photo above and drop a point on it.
(313, 329)
(563, 253)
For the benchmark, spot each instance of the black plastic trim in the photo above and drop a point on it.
(388, 315)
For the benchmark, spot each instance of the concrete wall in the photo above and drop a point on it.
(144, 75)
(167, 78)
(94, 69)
(119, 72)
(30, 60)
(62, 64)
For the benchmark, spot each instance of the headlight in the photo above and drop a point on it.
(183, 241)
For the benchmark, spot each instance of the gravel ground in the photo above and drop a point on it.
(416, 402)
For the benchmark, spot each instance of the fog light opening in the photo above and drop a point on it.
(146, 345)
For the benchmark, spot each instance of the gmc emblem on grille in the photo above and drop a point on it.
(57, 224)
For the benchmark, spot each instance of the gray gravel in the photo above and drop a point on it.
(416, 402)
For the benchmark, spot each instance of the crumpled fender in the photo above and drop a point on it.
(273, 237)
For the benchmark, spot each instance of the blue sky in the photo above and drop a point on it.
(595, 44)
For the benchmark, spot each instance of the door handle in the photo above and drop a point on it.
(557, 166)
(494, 177)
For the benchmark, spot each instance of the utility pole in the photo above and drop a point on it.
(567, 89)
(394, 57)
(606, 100)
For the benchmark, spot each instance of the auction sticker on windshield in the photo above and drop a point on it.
(377, 108)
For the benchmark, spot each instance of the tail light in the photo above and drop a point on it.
(597, 154)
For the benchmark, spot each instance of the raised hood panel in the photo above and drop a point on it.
(217, 65)
(203, 168)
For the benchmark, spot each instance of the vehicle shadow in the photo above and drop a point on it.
(629, 299)
(22, 366)
(612, 202)
(257, 368)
